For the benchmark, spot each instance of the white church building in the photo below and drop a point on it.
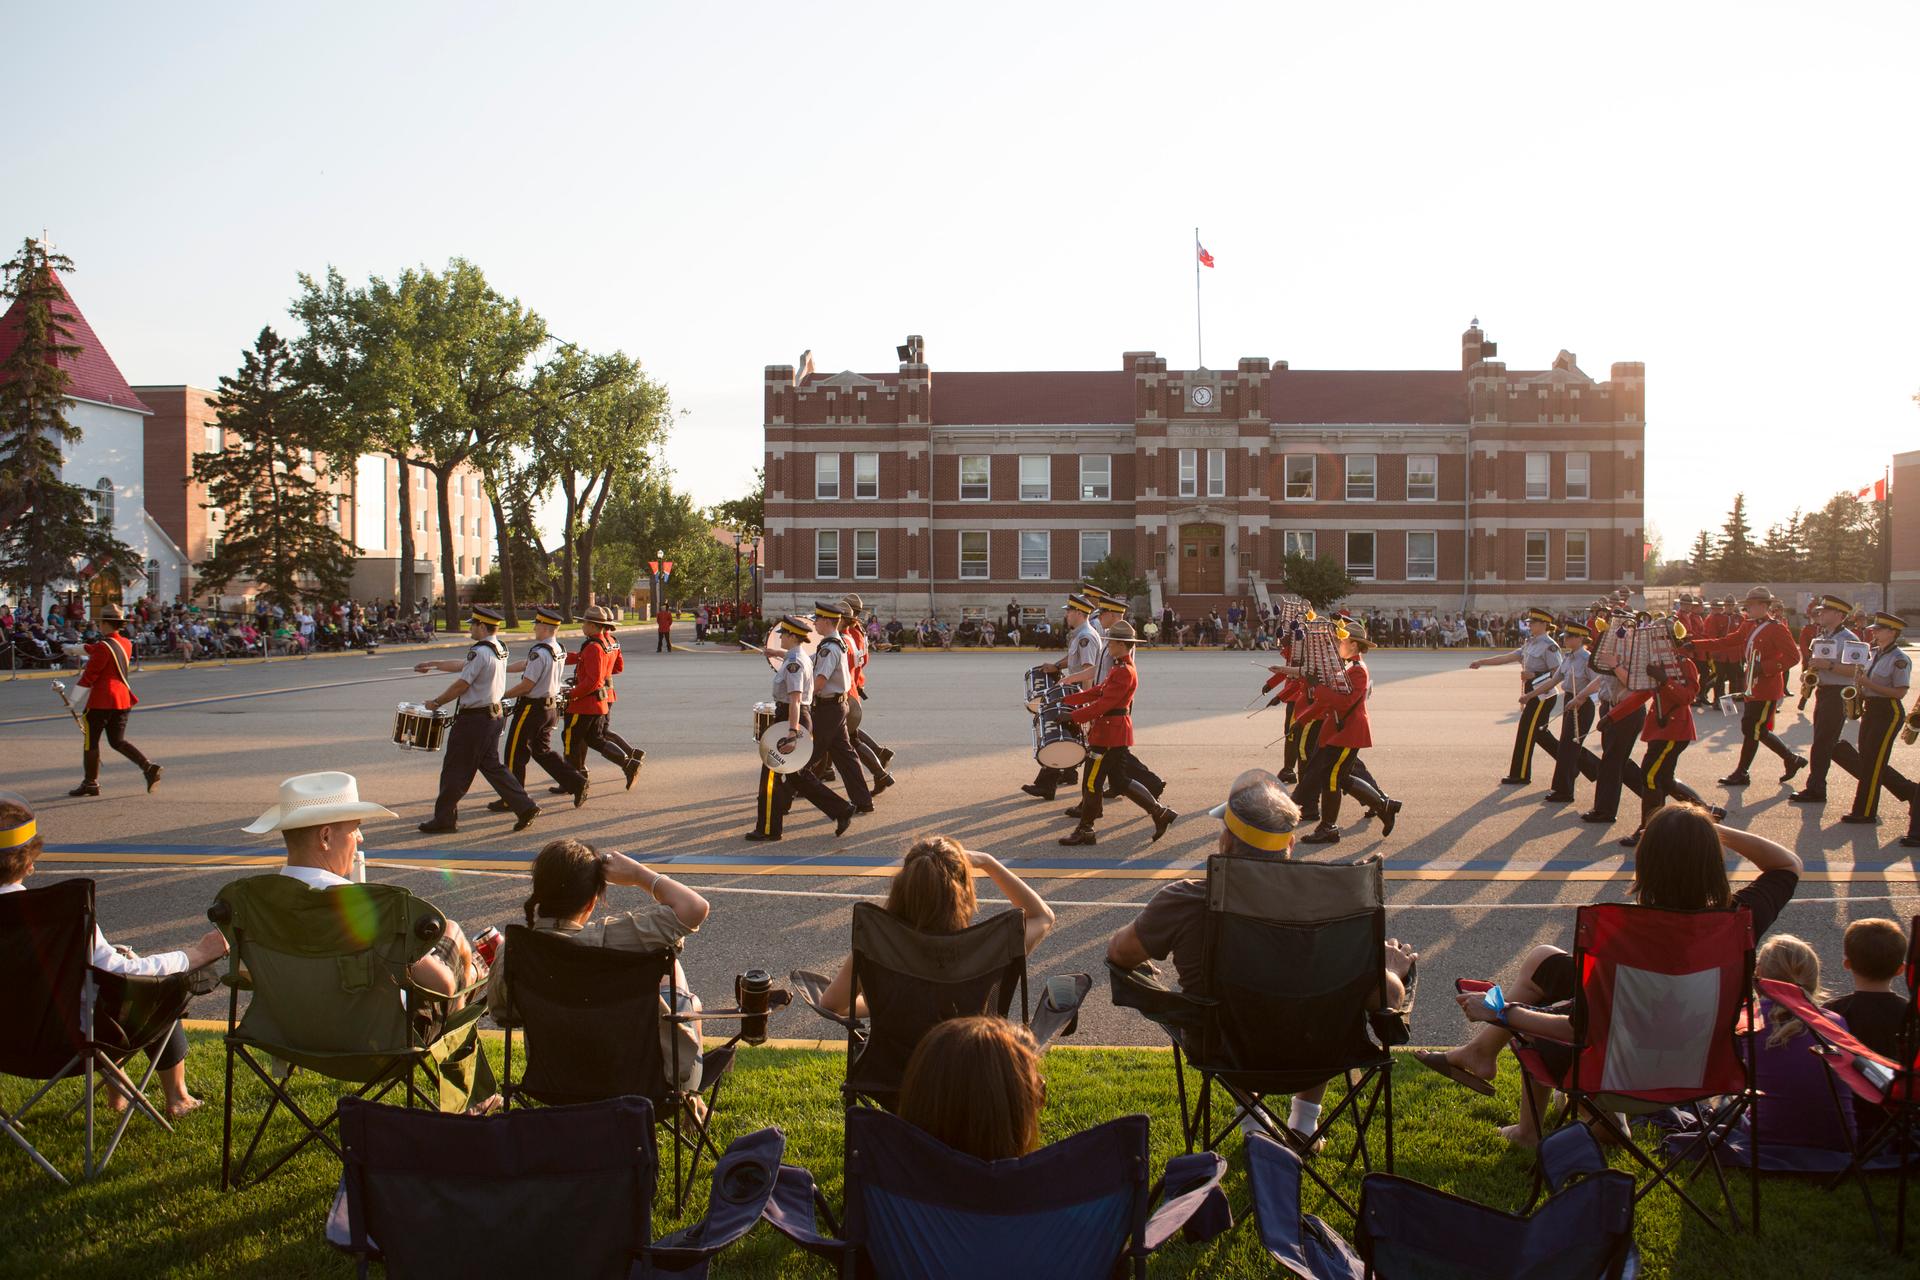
(108, 460)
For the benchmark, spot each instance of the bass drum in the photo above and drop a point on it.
(775, 657)
(1058, 744)
(784, 750)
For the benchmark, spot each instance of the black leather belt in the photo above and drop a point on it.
(1118, 711)
(492, 709)
(829, 697)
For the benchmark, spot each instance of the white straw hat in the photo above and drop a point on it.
(315, 799)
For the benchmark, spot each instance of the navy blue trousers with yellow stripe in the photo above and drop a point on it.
(1532, 732)
(1880, 724)
(530, 737)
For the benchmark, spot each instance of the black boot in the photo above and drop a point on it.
(1377, 805)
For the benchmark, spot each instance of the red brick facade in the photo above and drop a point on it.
(1204, 478)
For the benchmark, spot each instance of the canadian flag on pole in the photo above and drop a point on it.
(1876, 491)
(1206, 259)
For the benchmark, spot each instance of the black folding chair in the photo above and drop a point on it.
(65, 1018)
(912, 981)
(327, 970)
(590, 1018)
(561, 1191)
(1294, 958)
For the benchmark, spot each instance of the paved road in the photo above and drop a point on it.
(1478, 871)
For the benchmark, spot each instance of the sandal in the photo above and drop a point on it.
(1437, 1062)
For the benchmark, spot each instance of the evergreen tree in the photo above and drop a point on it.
(48, 528)
(1783, 555)
(1702, 556)
(1737, 560)
(1842, 541)
(263, 479)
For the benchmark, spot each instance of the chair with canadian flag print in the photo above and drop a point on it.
(1662, 998)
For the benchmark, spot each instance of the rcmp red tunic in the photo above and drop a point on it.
(598, 663)
(1345, 713)
(1671, 720)
(1775, 653)
(1091, 707)
(106, 689)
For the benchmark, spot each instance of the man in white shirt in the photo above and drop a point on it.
(20, 847)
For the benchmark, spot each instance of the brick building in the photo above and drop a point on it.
(1904, 513)
(943, 492)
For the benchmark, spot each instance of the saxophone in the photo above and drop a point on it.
(1911, 734)
(1809, 681)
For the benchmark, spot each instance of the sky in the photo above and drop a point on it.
(1726, 192)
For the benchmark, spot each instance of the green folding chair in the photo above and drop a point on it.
(330, 992)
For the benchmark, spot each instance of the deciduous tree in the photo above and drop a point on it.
(1321, 581)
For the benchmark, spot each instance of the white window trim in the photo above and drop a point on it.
(1046, 459)
(1104, 497)
(1586, 484)
(1216, 479)
(1435, 495)
(962, 477)
(986, 564)
(1433, 576)
(1313, 477)
(1086, 566)
(1546, 541)
(1187, 475)
(818, 459)
(1311, 535)
(1346, 478)
(818, 536)
(1373, 570)
(1020, 551)
(1586, 554)
(1526, 481)
(875, 495)
(875, 535)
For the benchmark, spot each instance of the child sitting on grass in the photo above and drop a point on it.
(1874, 952)
(1795, 1108)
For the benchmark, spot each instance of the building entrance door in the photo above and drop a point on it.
(1203, 560)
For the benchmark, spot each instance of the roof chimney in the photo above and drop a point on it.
(1474, 346)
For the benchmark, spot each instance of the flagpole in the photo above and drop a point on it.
(1199, 339)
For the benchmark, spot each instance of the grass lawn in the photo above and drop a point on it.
(157, 1212)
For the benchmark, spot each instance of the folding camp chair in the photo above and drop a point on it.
(63, 1017)
(1082, 1207)
(1657, 1023)
(590, 1017)
(1885, 1082)
(565, 1191)
(1295, 953)
(911, 981)
(331, 993)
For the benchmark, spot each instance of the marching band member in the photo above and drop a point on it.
(1668, 731)
(589, 709)
(1767, 647)
(1576, 713)
(1113, 611)
(473, 740)
(1617, 736)
(1107, 710)
(110, 701)
(1084, 644)
(1883, 682)
(530, 730)
(1538, 656)
(793, 691)
(1829, 705)
(874, 756)
(1714, 626)
(1335, 765)
(1289, 694)
(832, 687)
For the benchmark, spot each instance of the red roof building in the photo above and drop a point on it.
(936, 493)
(92, 374)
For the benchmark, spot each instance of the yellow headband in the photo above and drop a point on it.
(14, 837)
(1269, 841)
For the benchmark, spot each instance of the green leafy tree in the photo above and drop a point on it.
(1115, 575)
(702, 569)
(47, 526)
(1738, 560)
(264, 480)
(1321, 581)
(1843, 541)
(747, 514)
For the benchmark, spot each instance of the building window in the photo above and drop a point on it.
(826, 553)
(1361, 471)
(1033, 553)
(103, 501)
(866, 475)
(1299, 483)
(1299, 542)
(1095, 545)
(1096, 477)
(1423, 477)
(866, 553)
(1423, 563)
(1578, 465)
(1576, 555)
(973, 553)
(1036, 481)
(1189, 473)
(480, 565)
(213, 438)
(1360, 554)
(460, 565)
(974, 477)
(1536, 555)
(826, 475)
(1216, 473)
(1538, 489)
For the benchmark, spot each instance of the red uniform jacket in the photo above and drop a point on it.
(664, 619)
(856, 638)
(1345, 713)
(1808, 634)
(1670, 718)
(598, 661)
(1097, 707)
(106, 689)
(1713, 626)
(1775, 653)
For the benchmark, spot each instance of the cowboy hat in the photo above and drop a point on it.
(315, 799)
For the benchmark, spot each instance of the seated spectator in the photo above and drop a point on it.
(975, 1084)
(169, 1057)
(933, 892)
(1257, 816)
(1874, 951)
(570, 880)
(1795, 1107)
(1679, 865)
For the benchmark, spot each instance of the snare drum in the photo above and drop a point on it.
(1040, 681)
(415, 728)
(1058, 744)
(507, 706)
(764, 714)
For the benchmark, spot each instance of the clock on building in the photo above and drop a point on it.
(1200, 396)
